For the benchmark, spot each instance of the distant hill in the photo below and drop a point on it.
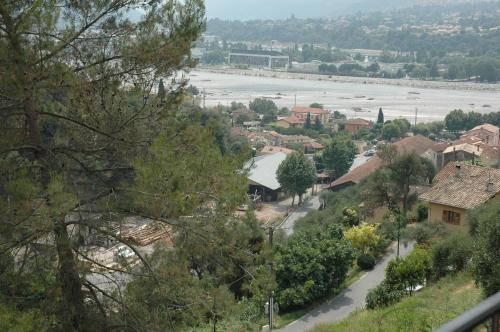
(279, 9)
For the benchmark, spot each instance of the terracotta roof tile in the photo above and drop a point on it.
(466, 190)
(309, 110)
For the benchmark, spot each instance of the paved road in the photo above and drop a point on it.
(348, 300)
(311, 204)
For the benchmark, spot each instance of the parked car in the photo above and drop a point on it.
(370, 153)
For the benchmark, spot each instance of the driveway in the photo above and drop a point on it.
(348, 300)
(312, 203)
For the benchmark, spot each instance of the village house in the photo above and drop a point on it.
(418, 144)
(462, 152)
(315, 113)
(263, 179)
(291, 122)
(353, 126)
(487, 133)
(270, 149)
(458, 188)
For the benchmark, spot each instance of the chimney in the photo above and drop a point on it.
(458, 170)
(490, 187)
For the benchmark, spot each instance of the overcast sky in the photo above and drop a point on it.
(277, 9)
(253, 9)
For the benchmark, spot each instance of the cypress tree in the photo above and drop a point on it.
(380, 118)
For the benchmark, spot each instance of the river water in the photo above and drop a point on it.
(352, 99)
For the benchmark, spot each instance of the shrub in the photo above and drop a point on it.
(426, 231)
(383, 295)
(407, 273)
(452, 253)
(422, 212)
(366, 262)
(311, 264)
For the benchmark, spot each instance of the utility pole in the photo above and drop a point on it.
(416, 115)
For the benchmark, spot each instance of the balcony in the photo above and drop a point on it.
(486, 313)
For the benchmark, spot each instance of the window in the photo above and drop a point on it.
(451, 217)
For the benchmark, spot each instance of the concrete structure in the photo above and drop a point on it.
(355, 125)
(262, 59)
(315, 113)
(458, 188)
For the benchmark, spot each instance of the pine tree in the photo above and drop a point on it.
(77, 111)
(380, 118)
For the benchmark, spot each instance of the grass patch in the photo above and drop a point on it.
(284, 319)
(424, 311)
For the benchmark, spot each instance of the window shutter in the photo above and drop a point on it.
(445, 216)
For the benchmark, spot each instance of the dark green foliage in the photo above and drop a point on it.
(383, 296)
(338, 156)
(380, 117)
(390, 131)
(296, 174)
(263, 106)
(422, 212)
(311, 265)
(366, 262)
(317, 124)
(451, 253)
(456, 120)
(486, 265)
(215, 57)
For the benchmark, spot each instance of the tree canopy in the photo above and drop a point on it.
(296, 174)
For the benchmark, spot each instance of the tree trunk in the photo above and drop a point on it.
(300, 200)
(293, 199)
(73, 311)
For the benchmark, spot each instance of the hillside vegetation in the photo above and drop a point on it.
(424, 311)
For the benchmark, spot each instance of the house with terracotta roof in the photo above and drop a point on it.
(487, 133)
(459, 187)
(321, 114)
(462, 152)
(270, 149)
(291, 122)
(418, 144)
(313, 147)
(355, 125)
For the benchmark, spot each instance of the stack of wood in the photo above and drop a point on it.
(146, 234)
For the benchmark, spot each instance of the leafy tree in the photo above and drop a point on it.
(296, 174)
(456, 120)
(380, 117)
(373, 68)
(263, 106)
(411, 271)
(339, 156)
(363, 238)
(316, 105)
(310, 265)
(391, 131)
(350, 216)
(404, 125)
(486, 266)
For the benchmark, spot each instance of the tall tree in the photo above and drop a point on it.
(338, 157)
(77, 109)
(317, 124)
(308, 124)
(296, 174)
(380, 118)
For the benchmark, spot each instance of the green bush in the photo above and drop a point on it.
(311, 264)
(366, 262)
(411, 271)
(422, 212)
(453, 253)
(384, 295)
